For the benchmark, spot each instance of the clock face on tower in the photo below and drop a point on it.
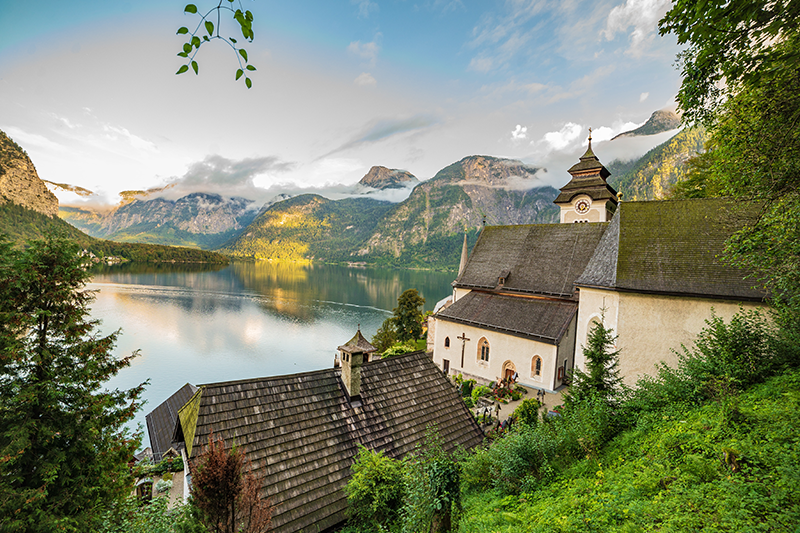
(582, 206)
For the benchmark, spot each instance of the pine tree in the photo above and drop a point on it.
(602, 373)
(64, 449)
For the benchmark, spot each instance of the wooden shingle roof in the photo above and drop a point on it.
(539, 319)
(542, 259)
(301, 433)
(161, 420)
(671, 247)
(358, 344)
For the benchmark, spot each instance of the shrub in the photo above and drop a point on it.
(479, 391)
(528, 412)
(375, 490)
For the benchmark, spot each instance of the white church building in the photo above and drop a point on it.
(527, 296)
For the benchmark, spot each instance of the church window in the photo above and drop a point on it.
(447, 342)
(536, 367)
(483, 350)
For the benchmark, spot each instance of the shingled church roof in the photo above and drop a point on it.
(302, 434)
(161, 420)
(540, 319)
(671, 247)
(539, 259)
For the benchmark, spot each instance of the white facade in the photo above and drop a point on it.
(507, 353)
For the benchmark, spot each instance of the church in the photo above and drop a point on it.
(526, 298)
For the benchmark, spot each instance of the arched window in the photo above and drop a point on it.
(536, 367)
(447, 342)
(483, 350)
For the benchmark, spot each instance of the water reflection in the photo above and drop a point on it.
(202, 324)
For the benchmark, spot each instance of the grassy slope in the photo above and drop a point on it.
(21, 224)
(670, 474)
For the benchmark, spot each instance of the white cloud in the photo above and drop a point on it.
(519, 133)
(365, 7)
(558, 140)
(643, 97)
(24, 138)
(481, 64)
(116, 132)
(444, 6)
(365, 79)
(366, 51)
(642, 15)
(606, 133)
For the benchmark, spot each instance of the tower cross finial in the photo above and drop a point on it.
(590, 138)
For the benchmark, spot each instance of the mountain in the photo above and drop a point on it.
(427, 229)
(196, 220)
(652, 176)
(80, 191)
(386, 178)
(20, 224)
(308, 227)
(659, 122)
(19, 182)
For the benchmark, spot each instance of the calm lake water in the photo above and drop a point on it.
(204, 324)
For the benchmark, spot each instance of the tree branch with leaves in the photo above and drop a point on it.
(206, 31)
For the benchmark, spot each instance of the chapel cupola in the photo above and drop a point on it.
(587, 197)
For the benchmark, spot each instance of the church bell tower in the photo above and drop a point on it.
(587, 197)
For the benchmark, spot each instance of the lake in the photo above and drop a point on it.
(203, 323)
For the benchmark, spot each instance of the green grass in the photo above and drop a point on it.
(730, 466)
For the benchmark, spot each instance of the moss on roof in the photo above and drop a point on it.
(673, 247)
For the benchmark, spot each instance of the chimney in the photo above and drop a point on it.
(353, 355)
(351, 372)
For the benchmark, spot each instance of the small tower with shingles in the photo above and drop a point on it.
(587, 197)
(352, 355)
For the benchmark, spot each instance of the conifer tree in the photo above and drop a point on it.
(602, 373)
(64, 450)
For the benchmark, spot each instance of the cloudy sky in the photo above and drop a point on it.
(88, 88)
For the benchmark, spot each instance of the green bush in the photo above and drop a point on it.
(375, 491)
(725, 359)
(528, 412)
(479, 391)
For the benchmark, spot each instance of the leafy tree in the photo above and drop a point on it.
(386, 335)
(433, 491)
(206, 31)
(408, 315)
(375, 491)
(225, 491)
(63, 445)
(602, 375)
(731, 44)
(741, 78)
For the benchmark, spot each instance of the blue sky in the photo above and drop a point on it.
(88, 89)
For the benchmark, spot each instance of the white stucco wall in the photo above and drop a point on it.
(520, 351)
(649, 327)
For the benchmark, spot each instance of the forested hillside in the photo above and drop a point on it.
(652, 176)
(309, 227)
(20, 224)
